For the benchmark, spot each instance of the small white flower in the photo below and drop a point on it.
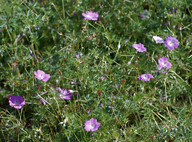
(158, 39)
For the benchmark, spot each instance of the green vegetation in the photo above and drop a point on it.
(96, 60)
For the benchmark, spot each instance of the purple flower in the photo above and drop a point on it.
(145, 77)
(76, 93)
(31, 53)
(175, 10)
(92, 135)
(103, 77)
(101, 103)
(78, 55)
(18, 36)
(126, 40)
(43, 101)
(41, 75)
(158, 39)
(164, 64)
(73, 82)
(37, 27)
(171, 43)
(139, 47)
(163, 61)
(90, 15)
(92, 125)
(142, 15)
(64, 94)
(16, 102)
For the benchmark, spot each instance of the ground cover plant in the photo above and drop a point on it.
(99, 70)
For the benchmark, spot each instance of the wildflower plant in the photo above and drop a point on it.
(95, 70)
(139, 47)
(41, 75)
(171, 43)
(16, 101)
(64, 94)
(158, 39)
(92, 125)
(164, 64)
(90, 15)
(145, 77)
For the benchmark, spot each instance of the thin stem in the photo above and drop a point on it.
(63, 9)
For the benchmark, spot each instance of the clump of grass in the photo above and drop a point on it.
(97, 64)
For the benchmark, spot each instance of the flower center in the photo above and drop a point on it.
(16, 102)
(144, 77)
(64, 93)
(91, 126)
(170, 43)
(89, 15)
(164, 64)
(41, 76)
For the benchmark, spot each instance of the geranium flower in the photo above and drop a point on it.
(142, 15)
(164, 64)
(92, 125)
(16, 102)
(101, 103)
(41, 75)
(90, 15)
(64, 94)
(158, 39)
(103, 77)
(73, 82)
(139, 47)
(171, 43)
(43, 101)
(145, 77)
(78, 55)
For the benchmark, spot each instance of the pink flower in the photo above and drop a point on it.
(41, 75)
(92, 125)
(139, 47)
(142, 15)
(145, 77)
(90, 15)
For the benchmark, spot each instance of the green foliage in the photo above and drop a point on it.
(47, 35)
